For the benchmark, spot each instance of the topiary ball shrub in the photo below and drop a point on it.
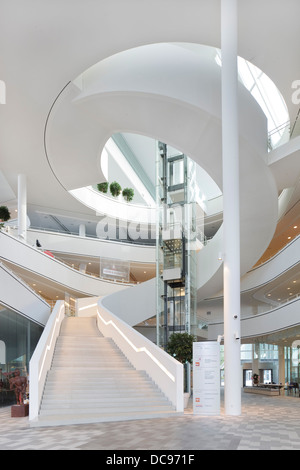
(128, 194)
(4, 213)
(115, 189)
(103, 187)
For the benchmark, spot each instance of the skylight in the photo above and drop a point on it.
(112, 149)
(266, 94)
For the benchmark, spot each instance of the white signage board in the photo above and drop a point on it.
(206, 378)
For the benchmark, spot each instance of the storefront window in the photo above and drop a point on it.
(18, 339)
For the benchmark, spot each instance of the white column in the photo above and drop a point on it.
(281, 365)
(22, 207)
(2, 92)
(82, 230)
(231, 223)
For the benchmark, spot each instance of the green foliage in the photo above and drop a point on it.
(180, 346)
(4, 213)
(128, 194)
(103, 187)
(115, 189)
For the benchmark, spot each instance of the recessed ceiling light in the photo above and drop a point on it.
(295, 226)
(288, 288)
(289, 238)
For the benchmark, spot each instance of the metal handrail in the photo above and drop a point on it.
(283, 127)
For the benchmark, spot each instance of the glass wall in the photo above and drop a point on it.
(18, 339)
(176, 244)
(265, 359)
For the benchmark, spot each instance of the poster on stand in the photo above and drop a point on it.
(206, 378)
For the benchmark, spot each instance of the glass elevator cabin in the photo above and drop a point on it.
(176, 243)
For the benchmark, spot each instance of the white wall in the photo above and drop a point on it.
(41, 359)
(85, 246)
(133, 305)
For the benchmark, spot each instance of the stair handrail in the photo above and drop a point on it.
(42, 357)
(163, 369)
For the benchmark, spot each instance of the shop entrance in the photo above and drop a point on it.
(247, 378)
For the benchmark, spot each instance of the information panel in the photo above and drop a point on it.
(206, 378)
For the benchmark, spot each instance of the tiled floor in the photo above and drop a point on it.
(266, 423)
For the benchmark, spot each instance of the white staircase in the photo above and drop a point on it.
(90, 380)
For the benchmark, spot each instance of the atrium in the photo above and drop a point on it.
(93, 94)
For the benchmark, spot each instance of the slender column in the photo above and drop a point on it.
(281, 365)
(2, 92)
(22, 207)
(82, 230)
(231, 223)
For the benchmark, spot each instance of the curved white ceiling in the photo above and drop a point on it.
(143, 91)
(45, 45)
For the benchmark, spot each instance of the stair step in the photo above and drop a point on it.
(98, 402)
(105, 409)
(81, 396)
(101, 390)
(91, 380)
(93, 374)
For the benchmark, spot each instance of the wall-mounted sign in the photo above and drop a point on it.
(114, 269)
(206, 378)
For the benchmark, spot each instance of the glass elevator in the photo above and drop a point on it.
(175, 244)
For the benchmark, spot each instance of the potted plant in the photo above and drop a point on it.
(180, 346)
(4, 215)
(128, 194)
(103, 187)
(115, 189)
(255, 379)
